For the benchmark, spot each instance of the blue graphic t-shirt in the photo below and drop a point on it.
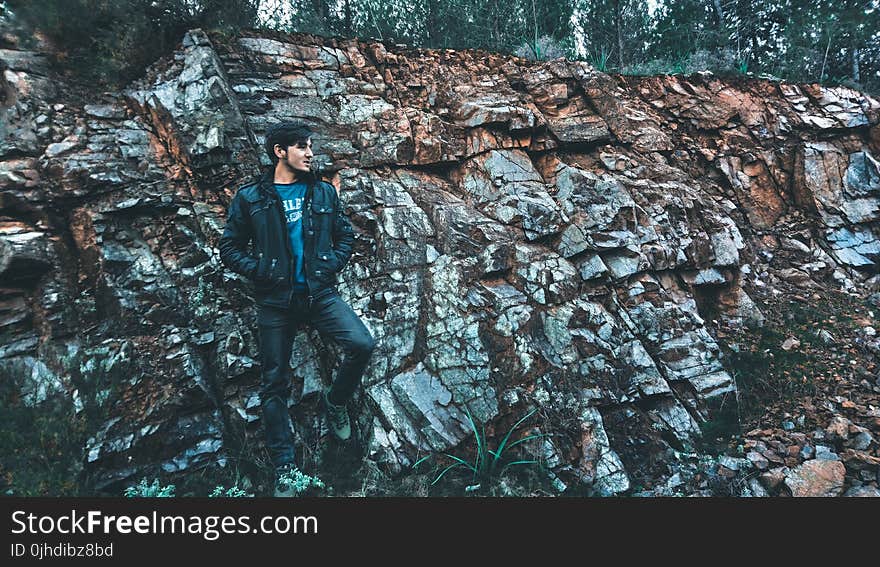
(292, 196)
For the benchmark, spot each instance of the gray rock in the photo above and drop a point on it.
(428, 402)
(600, 466)
(709, 276)
(756, 489)
(794, 245)
(678, 419)
(807, 452)
(825, 336)
(863, 492)
(108, 111)
(579, 128)
(733, 463)
(592, 267)
(464, 371)
(860, 441)
(824, 453)
(621, 265)
(545, 277)
(757, 460)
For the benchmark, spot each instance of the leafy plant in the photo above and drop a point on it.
(599, 60)
(221, 491)
(487, 464)
(153, 490)
(544, 48)
(300, 482)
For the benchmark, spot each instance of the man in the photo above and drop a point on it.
(301, 240)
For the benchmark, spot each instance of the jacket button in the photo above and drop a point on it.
(317, 272)
(311, 232)
(324, 257)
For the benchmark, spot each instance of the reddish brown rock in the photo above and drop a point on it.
(859, 459)
(816, 478)
(838, 429)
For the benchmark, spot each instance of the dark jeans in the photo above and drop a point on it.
(334, 320)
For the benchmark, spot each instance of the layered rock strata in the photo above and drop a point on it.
(530, 235)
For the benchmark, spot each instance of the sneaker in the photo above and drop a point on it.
(285, 481)
(337, 419)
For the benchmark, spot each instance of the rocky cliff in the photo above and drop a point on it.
(530, 236)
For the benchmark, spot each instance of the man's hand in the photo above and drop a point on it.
(236, 237)
(343, 235)
(265, 272)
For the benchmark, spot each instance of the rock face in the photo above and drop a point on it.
(817, 477)
(529, 235)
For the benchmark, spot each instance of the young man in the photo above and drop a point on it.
(301, 240)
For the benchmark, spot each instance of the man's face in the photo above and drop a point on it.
(298, 156)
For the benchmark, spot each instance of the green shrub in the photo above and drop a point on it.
(544, 49)
(599, 60)
(720, 61)
(488, 464)
(153, 490)
(300, 482)
(221, 491)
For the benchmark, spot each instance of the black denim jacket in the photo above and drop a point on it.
(255, 217)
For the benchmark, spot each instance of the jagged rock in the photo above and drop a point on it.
(600, 466)
(863, 492)
(826, 336)
(506, 187)
(528, 233)
(859, 459)
(860, 438)
(757, 460)
(795, 276)
(418, 406)
(816, 478)
(838, 429)
(732, 463)
(453, 352)
(757, 491)
(824, 453)
(773, 478)
(24, 255)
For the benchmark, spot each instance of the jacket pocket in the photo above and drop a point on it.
(327, 262)
(266, 277)
(322, 218)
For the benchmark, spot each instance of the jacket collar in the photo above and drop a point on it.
(266, 185)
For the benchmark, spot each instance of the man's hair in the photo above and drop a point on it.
(285, 134)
